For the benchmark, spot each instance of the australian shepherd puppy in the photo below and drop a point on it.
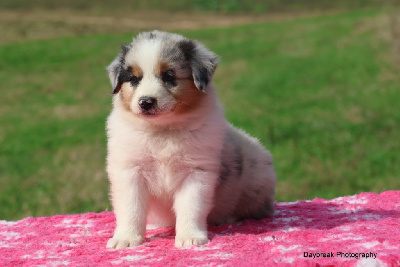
(173, 159)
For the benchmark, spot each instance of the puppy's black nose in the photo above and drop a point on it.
(146, 103)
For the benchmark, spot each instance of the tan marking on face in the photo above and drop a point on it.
(127, 92)
(161, 68)
(126, 95)
(187, 95)
(137, 71)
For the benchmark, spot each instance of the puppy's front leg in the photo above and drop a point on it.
(130, 201)
(192, 205)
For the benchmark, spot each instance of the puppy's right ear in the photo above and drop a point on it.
(202, 61)
(115, 68)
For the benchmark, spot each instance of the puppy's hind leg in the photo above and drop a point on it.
(257, 199)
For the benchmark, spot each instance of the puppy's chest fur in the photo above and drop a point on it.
(166, 158)
(165, 164)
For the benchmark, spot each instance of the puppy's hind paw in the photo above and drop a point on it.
(190, 241)
(123, 243)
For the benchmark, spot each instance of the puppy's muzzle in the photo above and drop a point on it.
(146, 103)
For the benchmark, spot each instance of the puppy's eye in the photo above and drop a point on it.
(134, 80)
(167, 77)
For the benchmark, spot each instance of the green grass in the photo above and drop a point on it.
(321, 93)
(224, 6)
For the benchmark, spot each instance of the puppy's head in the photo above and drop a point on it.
(161, 73)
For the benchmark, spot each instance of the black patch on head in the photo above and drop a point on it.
(120, 72)
(201, 75)
(124, 51)
(125, 75)
(239, 162)
(202, 62)
(188, 49)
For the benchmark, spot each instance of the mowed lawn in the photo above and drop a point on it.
(322, 94)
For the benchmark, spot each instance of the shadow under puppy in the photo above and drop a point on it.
(173, 159)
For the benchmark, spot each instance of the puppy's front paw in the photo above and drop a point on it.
(118, 243)
(187, 240)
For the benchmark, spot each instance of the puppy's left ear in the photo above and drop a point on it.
(202, 61)
(115, 68)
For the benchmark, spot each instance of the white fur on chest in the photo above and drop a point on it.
(165, 162)
(164, 158)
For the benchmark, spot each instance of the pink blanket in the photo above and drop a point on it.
(360, 230)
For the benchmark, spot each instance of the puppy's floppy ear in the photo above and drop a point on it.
(115, 69)
(202, 62)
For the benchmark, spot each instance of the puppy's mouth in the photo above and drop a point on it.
(152, 113)
(149, 113)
